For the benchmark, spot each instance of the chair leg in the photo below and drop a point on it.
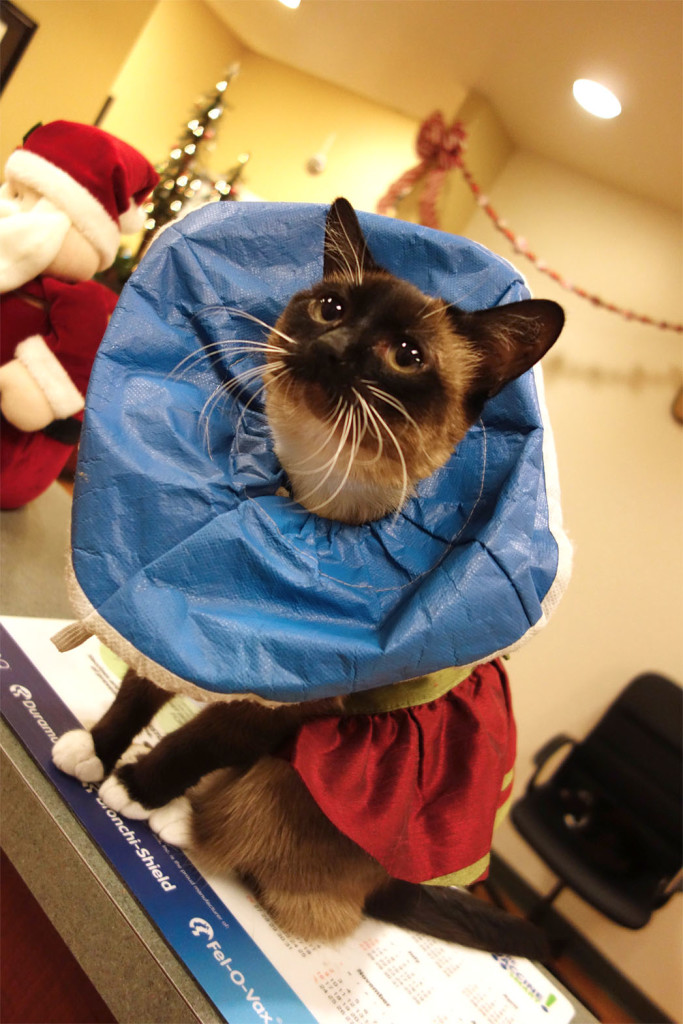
(494, 893)
(539, 911)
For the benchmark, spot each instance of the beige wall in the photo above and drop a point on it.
(282, 117)
(610, 385)
(69, 66)
(179, 56)
(279, 115)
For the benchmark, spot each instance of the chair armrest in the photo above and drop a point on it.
(675, 885)
(546, 752)
(668, 888)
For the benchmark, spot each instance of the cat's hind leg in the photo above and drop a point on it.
(265, 825)
(91, 755)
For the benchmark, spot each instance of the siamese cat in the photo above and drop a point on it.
(370, 385)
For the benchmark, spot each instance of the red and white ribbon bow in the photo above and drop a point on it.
(440, 148)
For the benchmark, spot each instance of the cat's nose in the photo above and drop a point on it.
(336, 343)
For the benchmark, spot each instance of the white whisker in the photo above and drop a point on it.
(281, 371)
(224, 389)
(302, 498)
(395, 404)
(256, 320)
(226, 347)
(205, 414)
(243, 378)
(362, 411)
(370, 425)
(439, 308)
(341, 246)
(297, 465)
(353, 451)
(382, 423)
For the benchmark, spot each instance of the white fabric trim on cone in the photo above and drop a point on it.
(91, 623)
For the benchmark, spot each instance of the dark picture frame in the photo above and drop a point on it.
(17, 31)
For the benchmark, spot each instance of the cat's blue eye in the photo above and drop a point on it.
(331, 308)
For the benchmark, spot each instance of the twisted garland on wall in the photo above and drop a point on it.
(440, 148)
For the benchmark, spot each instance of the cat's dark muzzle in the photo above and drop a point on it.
(329, 361)
(335, 345)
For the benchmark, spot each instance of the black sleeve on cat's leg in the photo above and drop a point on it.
(134, 707)
(235, 734)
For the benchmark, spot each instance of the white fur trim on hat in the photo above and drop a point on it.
(85, 212)
(132, 220)
(64, 397)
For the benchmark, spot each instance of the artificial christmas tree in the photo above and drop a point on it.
(181, 179)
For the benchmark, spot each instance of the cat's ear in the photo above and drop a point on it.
(346, 251)
(508, 339)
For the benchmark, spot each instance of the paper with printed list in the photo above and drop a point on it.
(247, 966)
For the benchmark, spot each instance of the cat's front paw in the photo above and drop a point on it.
(115, 795)
(74, 753)
(172, 823)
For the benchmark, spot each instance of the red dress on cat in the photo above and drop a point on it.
(420, 788)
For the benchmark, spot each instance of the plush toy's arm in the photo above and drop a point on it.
(48, 375)
(79, 315)
(35, 389)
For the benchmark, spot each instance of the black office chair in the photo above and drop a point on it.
(608, 821)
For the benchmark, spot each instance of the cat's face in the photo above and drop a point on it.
(374, 383)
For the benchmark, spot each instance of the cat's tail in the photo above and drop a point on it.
(457, 916)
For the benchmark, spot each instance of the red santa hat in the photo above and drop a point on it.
(99, 181)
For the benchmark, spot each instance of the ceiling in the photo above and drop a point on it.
(417, 56)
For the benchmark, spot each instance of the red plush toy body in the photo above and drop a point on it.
(54, 329)
(69, 192)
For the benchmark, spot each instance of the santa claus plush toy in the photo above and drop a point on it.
(69, 193)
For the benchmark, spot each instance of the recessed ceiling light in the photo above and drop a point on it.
(291, 3)
(595, 98)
